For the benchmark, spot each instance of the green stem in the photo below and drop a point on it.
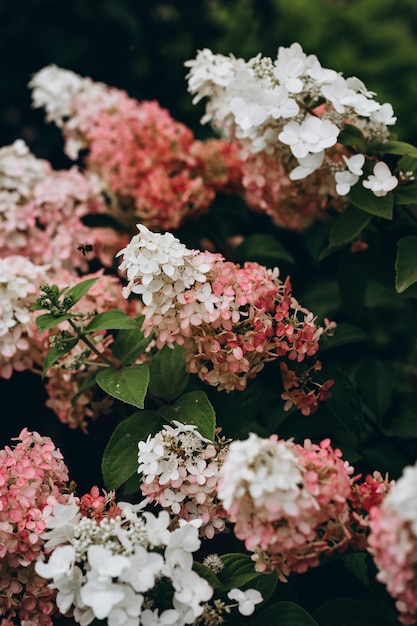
(92, 347)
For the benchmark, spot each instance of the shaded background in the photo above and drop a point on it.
(141, 46)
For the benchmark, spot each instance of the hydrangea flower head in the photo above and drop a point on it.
(262, 105)
(33, 479)
(289, 501)
(111, 567)
(393, 543)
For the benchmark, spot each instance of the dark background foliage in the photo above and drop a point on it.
(141, 45)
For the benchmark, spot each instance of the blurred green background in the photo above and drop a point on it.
(141, 45)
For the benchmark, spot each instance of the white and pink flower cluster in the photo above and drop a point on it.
(111, 568)
(33, 479)
(287, 114)
(180, 471)
(289, 502)
(230, 320)
(19, 287)
(22, 347)
(393, 544)
(41, 209)
(150, 166)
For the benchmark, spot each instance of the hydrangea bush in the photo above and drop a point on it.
(242, 311)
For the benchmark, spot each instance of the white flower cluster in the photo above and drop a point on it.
(268, 472)
(19, 283)
(402, 498)
(68, 100)
(159, 268)
(180, 472)
(19, 172)
(111, 570)
(291, 104)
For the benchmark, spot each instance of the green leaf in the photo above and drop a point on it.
(357, 565)
(284, 614)
(113, 319)
(261, 247)
(406, 263)
(207, 574)
(364, 199)
(79, 290)
(89, 382)
(47, 320)
(120, 457)
(168, 373)
(375, 380)
(54, 354)
(129, 384)
(238, 570)
(349, 612)
(265, 584)
(404, 423)
(344, 403)
(344, 335)
(129, 344)
(406, 194)
(393, 147)
(348, 226)
(193, 408)
(351, 136)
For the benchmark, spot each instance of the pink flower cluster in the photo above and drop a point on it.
(393, 544)
(301, 390)
(150, 166)
(231, 320)
(289, 501)
(180, 471)
(290, 203)
(41, 210)
(33, 478)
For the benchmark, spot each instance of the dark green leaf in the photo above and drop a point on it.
(238, 570)
(129, 344)
(348, 612)
(89, 382)
(260, 247)
(344, 403)
(406, 194)
(265, 584)
(344, 334)
(404, 423)
(128, 384)
(54, 354)
(208, 574)
(348, 226)
(79, 290)
(193, 408)
(351, 136)
(393, 147)
(284, 614)
(406, 263)
(357, 565)
(120, 458)
(364, 199)
(375, 380)
(113, 319)
(47, 320)
(168, 373)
